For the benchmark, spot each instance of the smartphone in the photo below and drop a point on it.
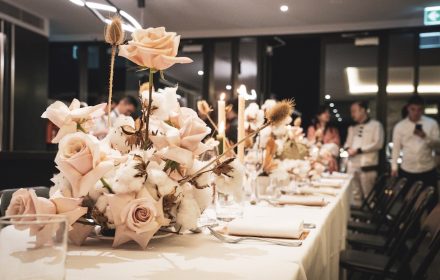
(419, 126)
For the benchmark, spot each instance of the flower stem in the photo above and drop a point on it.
(106, 185)
(212, 122)
(110, 85)
(150, 101)
(224, 153)
(80, 128)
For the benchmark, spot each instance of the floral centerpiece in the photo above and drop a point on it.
(283, 150)
(146, 174)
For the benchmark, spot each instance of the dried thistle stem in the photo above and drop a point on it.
(212, 122)
(224, 153)
(110, 85)
(150, 102)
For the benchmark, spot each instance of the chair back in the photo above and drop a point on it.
(391, 195)
(372, 198)
(430, 230)
(421, 205)
(7, 195)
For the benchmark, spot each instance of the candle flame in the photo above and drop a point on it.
(242, 90)
(222, 96)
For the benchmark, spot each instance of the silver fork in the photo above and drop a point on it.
(234, 240)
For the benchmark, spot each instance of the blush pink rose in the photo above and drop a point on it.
(153, 48)
(26, 202)
(68, 118)
(79, 158)
(136, 219)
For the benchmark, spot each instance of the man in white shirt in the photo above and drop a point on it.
(364, 141)
(417, 137)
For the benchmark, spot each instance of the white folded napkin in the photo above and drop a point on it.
(266, 227)
(306, 200)
(328, 182)
(320, 190)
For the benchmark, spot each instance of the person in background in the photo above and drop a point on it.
(321, 130)
(417, 137)
(232, 120)
(364, 141)
(127, 106)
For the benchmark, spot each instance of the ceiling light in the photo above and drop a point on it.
(228, 87)
(327, 96)
(131, 19)
(200, 73)
(340, 119)
(335, 111)
(78, 2)
(103, 7)
(337, 115)
(284, 8)
(332, 105)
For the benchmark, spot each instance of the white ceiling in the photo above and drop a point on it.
(217, 18)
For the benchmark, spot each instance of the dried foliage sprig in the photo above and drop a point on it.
(114, 35)
(275, 116)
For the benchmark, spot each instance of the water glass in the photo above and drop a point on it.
(33, 247)
(227, 208)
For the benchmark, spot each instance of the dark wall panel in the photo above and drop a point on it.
(296, 73)
(31, 89)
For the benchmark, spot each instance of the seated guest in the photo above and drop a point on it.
(417, 137)
(364, 141)
(321, 130)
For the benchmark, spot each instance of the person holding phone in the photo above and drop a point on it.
(417, 137)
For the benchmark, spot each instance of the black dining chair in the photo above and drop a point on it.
(380, 218)
(6, 196)
(395, 264)
(382, 242)
(370, 202)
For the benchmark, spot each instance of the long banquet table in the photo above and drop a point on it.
(201, 256)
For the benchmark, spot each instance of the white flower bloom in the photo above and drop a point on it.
(116, 138)
(165, 103)
(164, 183)
(254, 117)
(206, 178)
(264, 136)
(203, 197)
(232, 185)
(188, 212)
(128, 178)
(62, 184)
(269, 103)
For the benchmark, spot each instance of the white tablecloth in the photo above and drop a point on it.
(201, 256)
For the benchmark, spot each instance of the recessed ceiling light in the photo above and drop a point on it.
(200, 73)
(332, 104)
(78, 2)
(99, 6)
(284, 8)
(337, 115)
(340, 119)
(327, 96)
(335, 111)
(228, 87)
